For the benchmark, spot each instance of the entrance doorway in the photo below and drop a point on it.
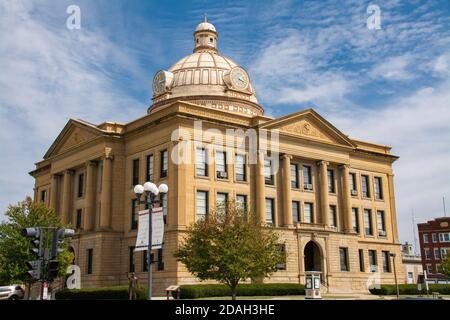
(313, 258)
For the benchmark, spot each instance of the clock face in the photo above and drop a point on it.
(239, 78)
(159, 82)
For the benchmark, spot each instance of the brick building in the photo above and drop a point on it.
(434, 236)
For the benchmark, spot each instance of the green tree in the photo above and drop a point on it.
(445, 266)
(229, 246)
(15, 249)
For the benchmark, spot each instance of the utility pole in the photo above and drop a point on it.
(443, 203)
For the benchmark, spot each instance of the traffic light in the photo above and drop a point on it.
(58, 238)
(34, 266)
(52, 270)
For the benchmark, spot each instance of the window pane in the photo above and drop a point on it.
(241, 202)
(378, 188)
(164, 163)
(150, 168)
(294, 176)
(134, 214)
(365, 186)
(240, 167)
(268, 171)
(355, 222)
(308, 212)
(352, 179)
(135, 178)
(295, 211)
(202, 205)
(343, 252)
(367, 221)
(222, 199)
(201, 167)
(220, 161)
(331, 181)
(333, 216)
(380, 221)
(307, 175)
(269, 211)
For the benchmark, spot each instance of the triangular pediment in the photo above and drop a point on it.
(75, 133)
(308, 124)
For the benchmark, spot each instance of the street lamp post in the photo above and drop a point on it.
(151, 190)
(395, 274)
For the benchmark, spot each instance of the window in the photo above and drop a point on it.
(150, 163)
(160, 264)
(164, 163)
(443, 237)
(308, 212)
(429, 269)
(163, 204)
(268, 174)
(222, 199)
(43, 195)
(241, 202)
(427, 254)
(444, 253)
(437, 254)
(435, 238)
(201, 167)
(332, 212)
(425, 237)
(90, 256)
(361, 260)
(373, 260)
(240, 167)
(307, 178)
(282, 265)
(135, 176)
(368, 222)
(80, 185)
(221, 165)
(296, 211)
(270, 216)
(353, 188)
(144, 262)
(386, 261)
(131, 259)
(211, 40)
(78, 220)
(343, 253)
(381, 223)
(202, 205)
(134, 214)
(365, 186)
(355, 219)
(331, 187)
(378, 188)
(294, 175)
(438, 268)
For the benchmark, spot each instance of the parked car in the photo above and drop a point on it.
(14, 292)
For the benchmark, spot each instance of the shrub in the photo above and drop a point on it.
(106, 293)
(390, 289)
(221, 290)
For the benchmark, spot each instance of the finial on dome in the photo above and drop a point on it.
(206, 18)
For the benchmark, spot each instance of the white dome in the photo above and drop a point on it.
(206, 26)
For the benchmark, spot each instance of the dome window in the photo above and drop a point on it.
(211, 40)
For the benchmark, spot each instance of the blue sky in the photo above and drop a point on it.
(389, 86)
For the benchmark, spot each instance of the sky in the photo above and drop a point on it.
(389, 85)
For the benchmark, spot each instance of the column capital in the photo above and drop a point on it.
(323, 163)
(109, 154)
(69, 172)
(286, 156)
(91, 163)
(344, 166)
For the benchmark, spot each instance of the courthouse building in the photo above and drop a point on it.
(332, 199)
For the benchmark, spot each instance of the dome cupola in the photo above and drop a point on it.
(205, 37)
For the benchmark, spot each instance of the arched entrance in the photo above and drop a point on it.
(313, 257)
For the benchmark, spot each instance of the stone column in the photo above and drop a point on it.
(106, 193)
(89, 206)
(260, 187)
(392, 208)
(67, 197)
(346, 198)
(323, 190)
(286, 182)
(54, 192)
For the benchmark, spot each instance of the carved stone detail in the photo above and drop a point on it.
(304, 128)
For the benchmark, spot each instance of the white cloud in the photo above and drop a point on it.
(393, 68)
(49, 74)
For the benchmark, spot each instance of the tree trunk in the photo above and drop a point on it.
(233, 292)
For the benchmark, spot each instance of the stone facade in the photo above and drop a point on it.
(88, 173)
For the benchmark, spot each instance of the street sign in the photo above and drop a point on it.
(157, 230)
